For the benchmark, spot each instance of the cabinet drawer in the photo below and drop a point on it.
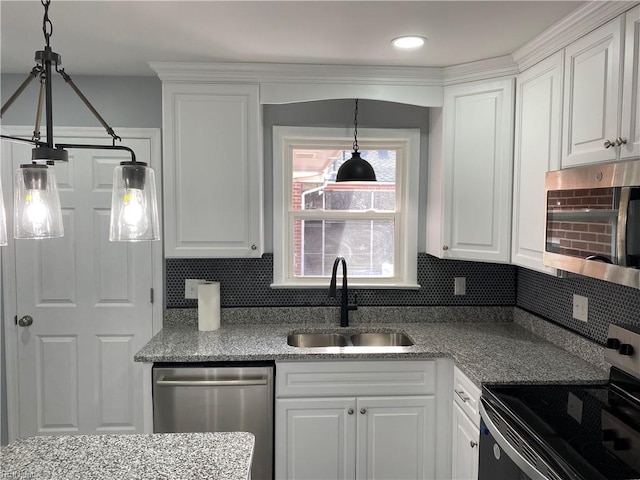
(309, 379)
(466, 395)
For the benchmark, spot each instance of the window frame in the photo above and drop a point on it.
(407, 144)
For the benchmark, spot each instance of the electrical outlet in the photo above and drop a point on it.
(191, 287)
(580, 308)
(460, 286)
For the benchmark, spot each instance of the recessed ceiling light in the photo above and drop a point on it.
(408, 42)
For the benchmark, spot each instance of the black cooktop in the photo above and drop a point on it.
(587, 431)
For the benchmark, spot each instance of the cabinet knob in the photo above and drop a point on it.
(254, 247)
(350, 411)
(363, 411)
(620, 141)
(473, 444)
(445, 247)
(25, 321)
(609, 143)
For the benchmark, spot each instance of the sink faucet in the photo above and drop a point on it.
(344, 306)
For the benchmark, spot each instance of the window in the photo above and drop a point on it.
(372, 224)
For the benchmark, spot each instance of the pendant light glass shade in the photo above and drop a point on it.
(3, 220)
(37, 212)
(356, 169)
(134, 210)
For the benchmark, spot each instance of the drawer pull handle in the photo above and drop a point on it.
(462, 395)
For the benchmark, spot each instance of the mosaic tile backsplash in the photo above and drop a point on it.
(552, 298)
(246, 283)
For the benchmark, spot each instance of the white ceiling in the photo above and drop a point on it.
(101, 37)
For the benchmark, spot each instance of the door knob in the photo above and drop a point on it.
(620, 141)
(350, 411)
(25, 321)
(609, 143)
(363, 411)
(473, 444)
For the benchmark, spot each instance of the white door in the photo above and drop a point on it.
(315, 438)
(465, 446)
(630, 128)
(90, 301)
(591, 89)
(396, 438)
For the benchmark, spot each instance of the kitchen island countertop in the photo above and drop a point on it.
(487, 352)
(170, 456)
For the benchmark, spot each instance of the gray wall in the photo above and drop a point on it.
(134, 102)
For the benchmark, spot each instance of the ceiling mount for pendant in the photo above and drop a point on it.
(356, 169)
(37, 212)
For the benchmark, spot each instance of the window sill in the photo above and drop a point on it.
(352, 284)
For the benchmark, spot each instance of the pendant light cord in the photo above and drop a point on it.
(355, 128)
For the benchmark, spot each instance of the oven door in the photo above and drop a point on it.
(505, 454)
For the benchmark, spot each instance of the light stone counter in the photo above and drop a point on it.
(162, 456)
(487, 352)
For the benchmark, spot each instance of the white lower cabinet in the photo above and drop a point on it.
(466, 428)
(465, 446)
(377, 421)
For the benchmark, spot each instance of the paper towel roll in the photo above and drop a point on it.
(208, 306)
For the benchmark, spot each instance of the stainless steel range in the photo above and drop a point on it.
(568, 432)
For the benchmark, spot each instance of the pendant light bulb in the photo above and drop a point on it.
(37, 203)
(134, 211)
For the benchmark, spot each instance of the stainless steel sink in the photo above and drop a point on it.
(372, 339)
(306, 340)
(362, 339)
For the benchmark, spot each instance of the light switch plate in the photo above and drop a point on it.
(191, 287)
(580, 308)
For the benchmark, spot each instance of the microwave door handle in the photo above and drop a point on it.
(621, 229)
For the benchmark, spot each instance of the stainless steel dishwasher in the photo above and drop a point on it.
(218, 398)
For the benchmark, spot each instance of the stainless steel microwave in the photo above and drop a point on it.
(593, 221)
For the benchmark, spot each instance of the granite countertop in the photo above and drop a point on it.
(487, 352)
(170, 456)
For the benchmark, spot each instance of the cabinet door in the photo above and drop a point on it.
(476, 172)
(465, 446)
(315, 438)
(212, 170)
(396, 438)
(591, 103)
(630, 129)
(537, 150)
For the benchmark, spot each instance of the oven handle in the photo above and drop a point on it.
(511, 452)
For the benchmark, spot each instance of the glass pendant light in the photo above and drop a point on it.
(37, 212)
(3, 220)
(134, 211)
(356, 169)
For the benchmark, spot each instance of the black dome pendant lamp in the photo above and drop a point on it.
(356, 169)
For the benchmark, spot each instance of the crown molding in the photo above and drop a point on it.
(578, 23)
(480, 70)
(297, 73)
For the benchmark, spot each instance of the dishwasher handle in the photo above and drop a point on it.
(210, 383)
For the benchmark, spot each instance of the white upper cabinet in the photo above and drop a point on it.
(470, 166)
(213, 170)
(537, 150)
(631, 86)
(592, 76)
